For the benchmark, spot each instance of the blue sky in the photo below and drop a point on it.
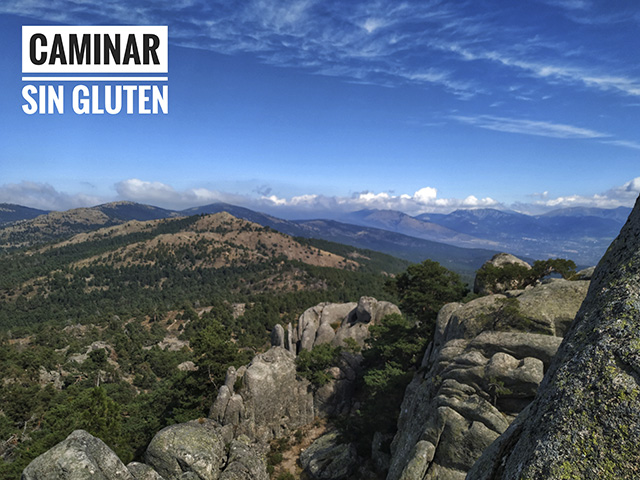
(299, 107)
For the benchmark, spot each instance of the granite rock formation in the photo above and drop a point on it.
(483, 368)
(334, 322)
(80, 456)
(271, 401)
(585, 420)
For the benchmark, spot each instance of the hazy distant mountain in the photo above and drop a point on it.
(463, 260)
(582, 234)
(399, 222)
(134, 211)
(57, 225)
(485, 222)
(619, 214)
(12, 213)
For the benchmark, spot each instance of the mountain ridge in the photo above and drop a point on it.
(579, 233)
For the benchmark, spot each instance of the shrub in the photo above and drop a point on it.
(312, 364)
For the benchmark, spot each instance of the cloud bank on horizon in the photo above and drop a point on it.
(425, 200)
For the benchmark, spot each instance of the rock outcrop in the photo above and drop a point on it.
(187, 447)
(335, 322)
(196, 450)
(271, 400)
(585, 420)
(482, 368)
(80, 456)
(141, 471)
(328, 459)
(244, 463)
(499, 260)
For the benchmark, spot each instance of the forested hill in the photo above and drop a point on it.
(56, 226)
(143, 267)
(38, 226)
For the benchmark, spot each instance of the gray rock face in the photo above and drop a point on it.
(499, 260)
(290, 345)
(272, 400)
(586, 273)
(193, 447)
(326, 459)
(474, 380)
(140, 471)
(326, 315)
(53, 377)
(336, 396)
(585, 420)
(244, 463)
(547, 309)
(552, 306)
(277, 336)
(187, 366)
(333, 323)
(80, 456)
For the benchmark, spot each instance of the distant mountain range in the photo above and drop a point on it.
(461, 240)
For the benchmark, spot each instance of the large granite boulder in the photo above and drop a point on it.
(483, 368)
(80, 456)
(316, 325)
(193, 447)
(271, 400)
(585, 420)
(328, 459)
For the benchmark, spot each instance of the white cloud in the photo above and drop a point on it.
(623, 143)
(373, 24)
(163, 195)
(528, 127)
(44, 196)
(422, 201)
(425, 195)
(623, 195)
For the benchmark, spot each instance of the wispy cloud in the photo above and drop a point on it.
(623, 143)
(387, 43)
(569, 4)
(528, 127)
(554, 69)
